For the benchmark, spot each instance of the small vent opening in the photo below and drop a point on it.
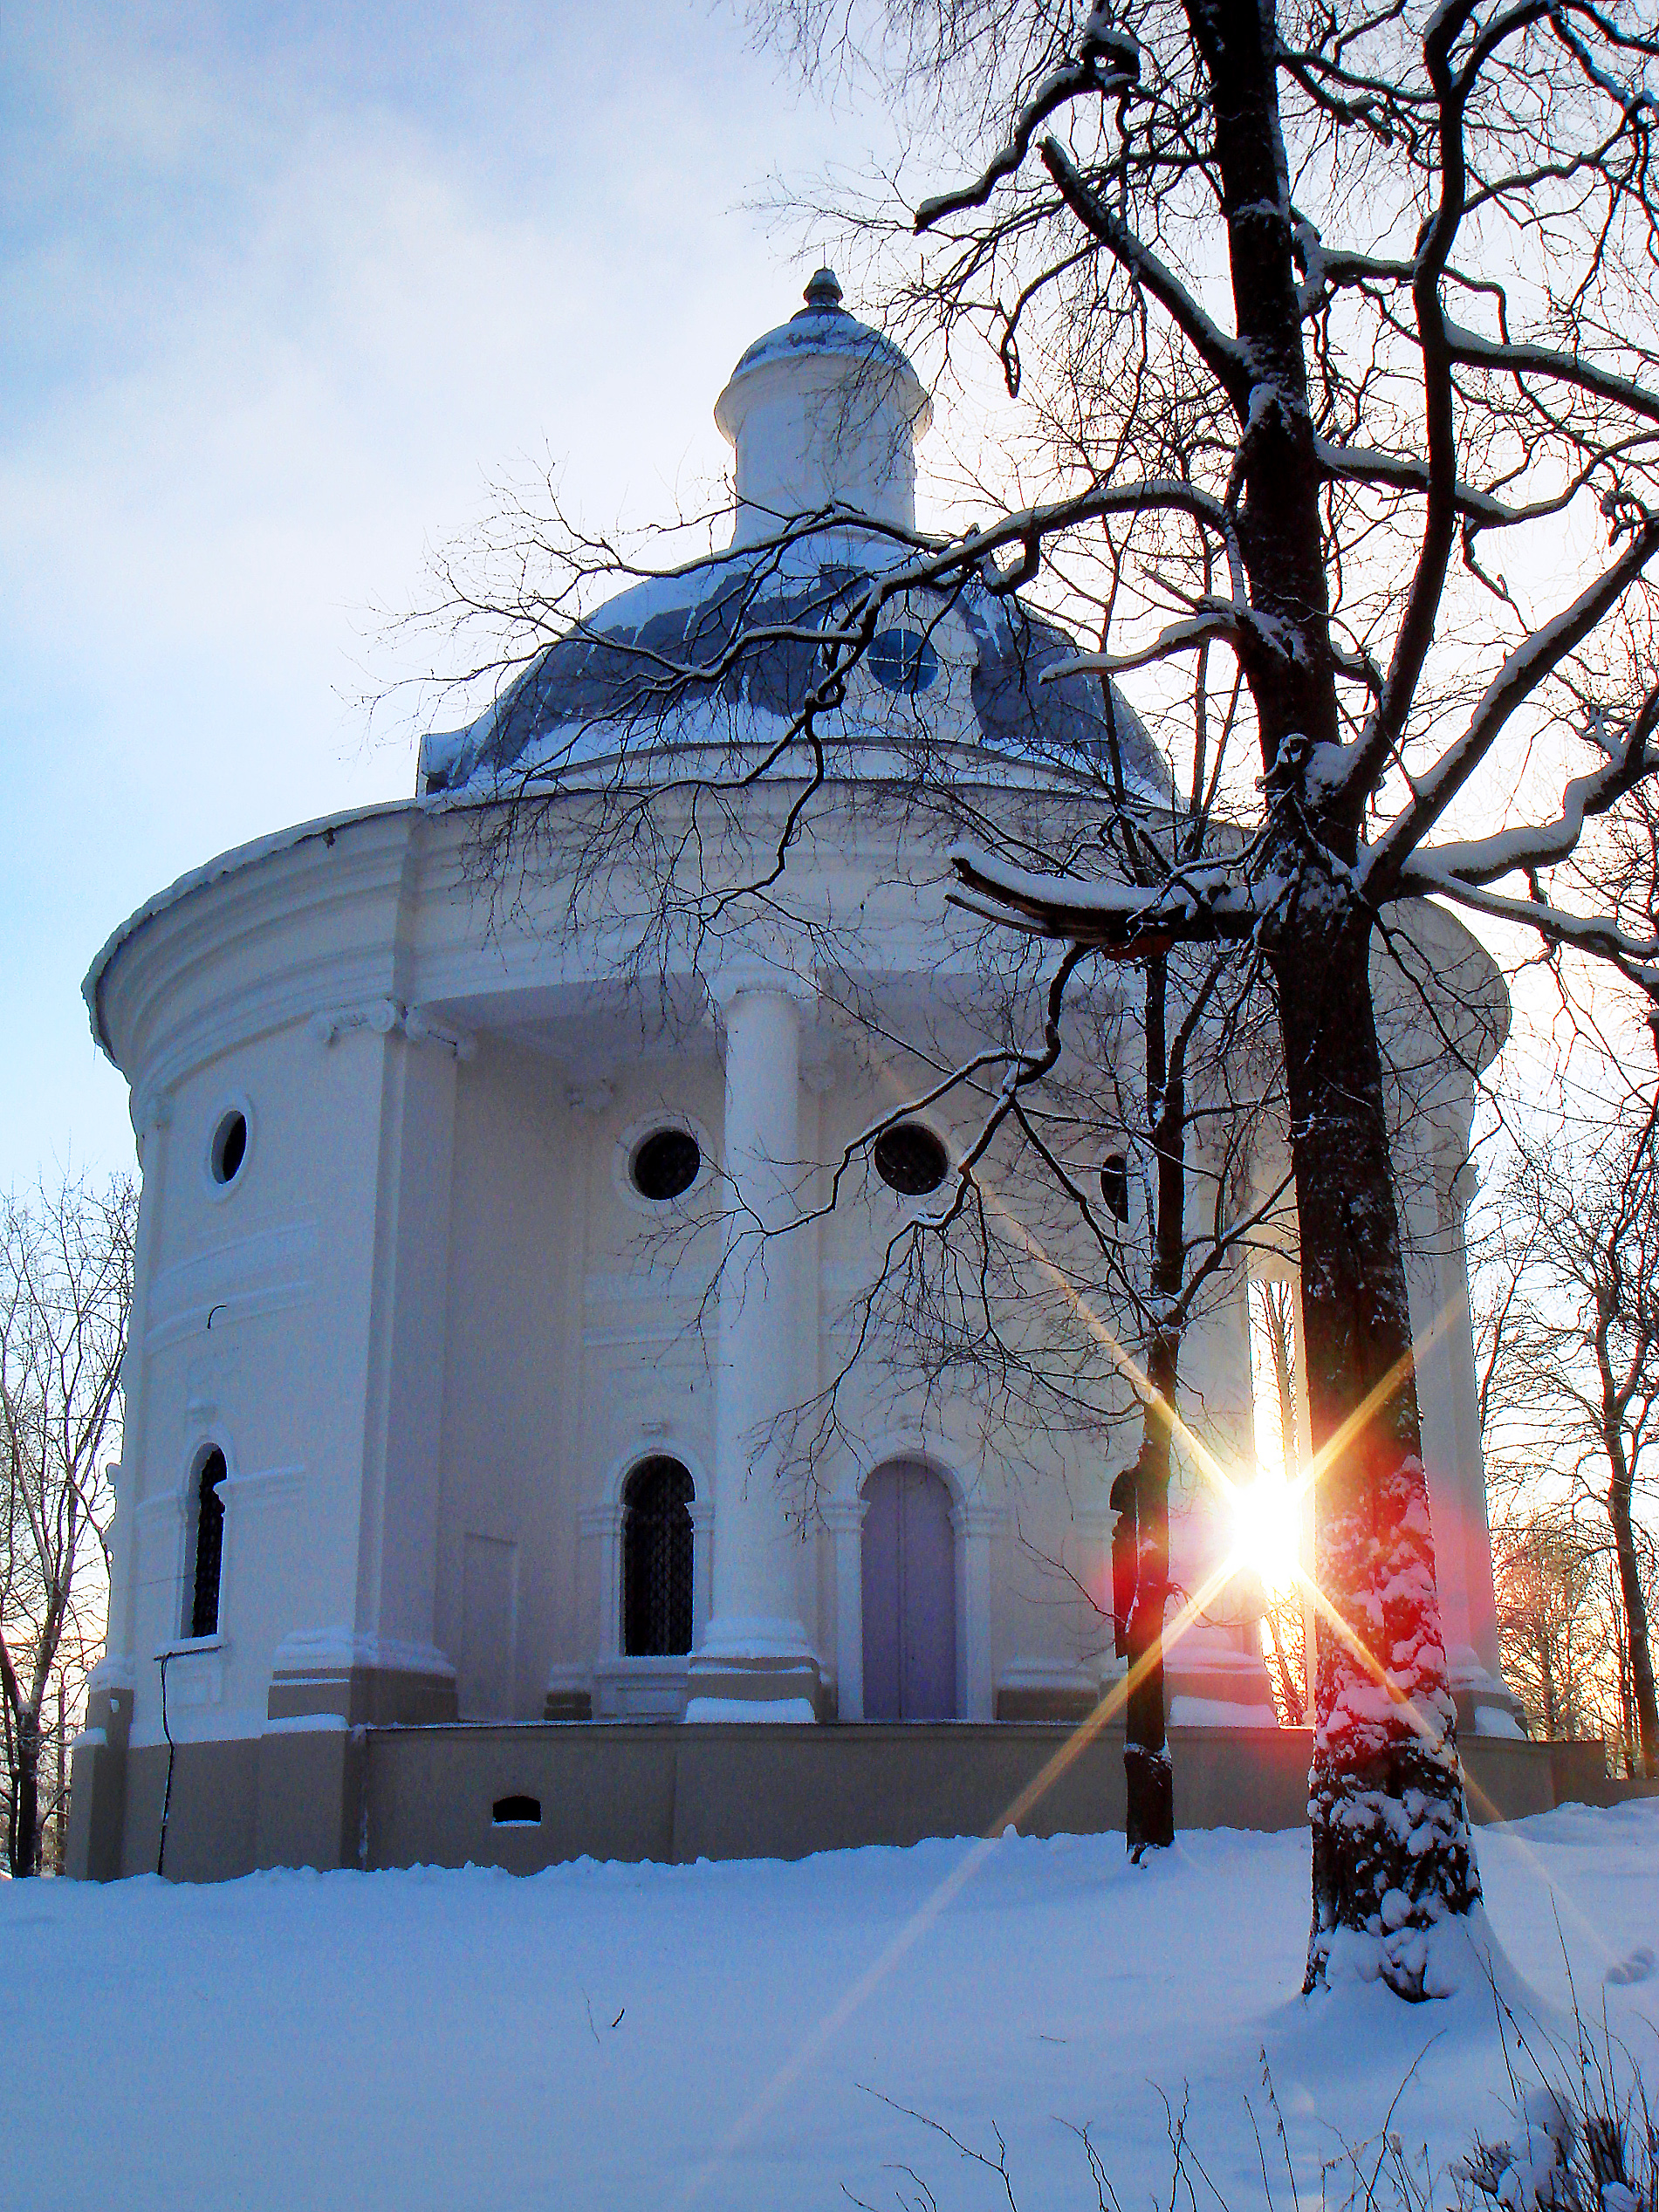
(516, 1812)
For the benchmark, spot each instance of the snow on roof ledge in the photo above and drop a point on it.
(224, 864)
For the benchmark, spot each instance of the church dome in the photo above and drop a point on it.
(822, 412)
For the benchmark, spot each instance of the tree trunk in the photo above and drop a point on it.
(23, 1842)
(1385, 1735)
(1149, 1817)
(1148, 1778)
(1639, 1650)
(1392, 1854)
(60, 1823)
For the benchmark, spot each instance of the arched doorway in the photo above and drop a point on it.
(909, 1593)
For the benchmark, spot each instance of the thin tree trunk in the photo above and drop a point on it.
(1148, 1778)
(1638, 1650)
(60, 1838)
(26, 1809)
(1295, 1700)
(1277, 1310)
(1149, 1820)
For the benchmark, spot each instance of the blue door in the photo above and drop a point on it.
(909, 1597)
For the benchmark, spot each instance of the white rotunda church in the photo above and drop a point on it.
(493, 1262)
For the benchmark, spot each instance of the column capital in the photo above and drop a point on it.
(843, 1515)
(977, 1516)
(753, 974)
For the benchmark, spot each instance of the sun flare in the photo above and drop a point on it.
(1267, 1528)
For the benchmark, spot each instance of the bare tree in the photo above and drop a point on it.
(1402, 273)
(1625, 1727)
(1306, 319)
(1577, 1357)
(1551, 1620)
(65, 1293)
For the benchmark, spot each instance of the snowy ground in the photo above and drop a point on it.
(725, 2035)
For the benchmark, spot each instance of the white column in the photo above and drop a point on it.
(1215, 1668)
(756, 1648)
(382, 1665)
(601, 1526)
(574, 1645)
(1436, 1190)
(844, 1517)
(1479, 1594)
(1094, 1525)
(701, 1512)
(976, 1523)
(140, 1474)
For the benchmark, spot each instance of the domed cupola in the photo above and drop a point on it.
(822, 411)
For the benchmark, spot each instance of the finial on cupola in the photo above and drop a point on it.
(824, 291)
(822, 412)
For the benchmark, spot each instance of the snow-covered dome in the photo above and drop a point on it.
(822, 412)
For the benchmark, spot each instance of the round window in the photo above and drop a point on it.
(911, 1159)
(229, 1146)
(903, 660)
(665, 1165)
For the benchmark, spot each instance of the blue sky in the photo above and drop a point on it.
(280, 287)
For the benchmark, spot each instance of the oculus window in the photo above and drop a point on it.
(229, 1146)
(910, 1160)
(665, 1165)
(903, 660)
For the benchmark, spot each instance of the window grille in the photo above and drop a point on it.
(656, 1560)
(209, 1546)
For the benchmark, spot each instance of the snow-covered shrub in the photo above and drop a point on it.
(1585, 2141)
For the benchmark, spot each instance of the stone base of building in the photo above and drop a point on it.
(530, 1795)
(1486, 1705)
(755, 1685)
(1039, 1690)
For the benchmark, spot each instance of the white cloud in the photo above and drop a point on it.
(284, 310)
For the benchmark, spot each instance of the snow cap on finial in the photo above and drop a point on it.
(824, 289)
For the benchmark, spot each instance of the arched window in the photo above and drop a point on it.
(656, 1560)
(209, 1546)
(1114, 1185)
